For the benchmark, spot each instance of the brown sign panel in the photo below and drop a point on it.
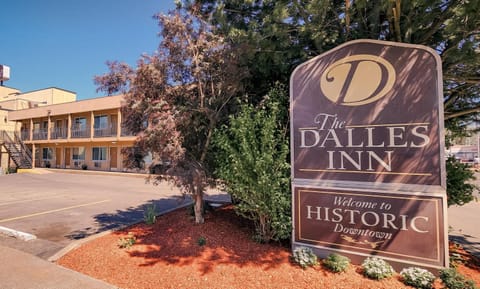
(369, 111)
(408, 228)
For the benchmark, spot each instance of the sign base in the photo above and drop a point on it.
(406, 229)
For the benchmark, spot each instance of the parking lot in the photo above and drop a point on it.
(59, 208)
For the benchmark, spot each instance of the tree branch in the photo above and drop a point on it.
(462, 113)
(447, 13)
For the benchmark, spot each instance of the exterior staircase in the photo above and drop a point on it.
(17, 150)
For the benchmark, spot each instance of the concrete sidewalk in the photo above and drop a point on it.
(19, 270)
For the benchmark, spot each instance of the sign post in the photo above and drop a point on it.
(367, 147)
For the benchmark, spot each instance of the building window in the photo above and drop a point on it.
(80, 123)
(47, 154)
(100, 122)
(99, 154)
(78, 153)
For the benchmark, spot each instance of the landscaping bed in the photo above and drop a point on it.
(176, 253)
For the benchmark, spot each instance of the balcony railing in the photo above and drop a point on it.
(40, 134)
(105, 132)
(62, 133)
(126, 132)
(25, 135)
(58, 133)
(80, 133)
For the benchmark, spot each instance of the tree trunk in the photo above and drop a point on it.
(198, 206)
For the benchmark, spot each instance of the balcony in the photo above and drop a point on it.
(40, 134)
(25, 135)
(80, 133)
(105, 132)
(59, 133)
(126, 132)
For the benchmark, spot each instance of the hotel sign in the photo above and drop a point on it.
(367, 133)
(368, 111)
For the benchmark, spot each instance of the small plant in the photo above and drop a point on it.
(10, 170)
(304, 257)
(84, 167)
(127, 242)
(454, 280)
(150, 214)
(336, 263)
(376, 268)
(418, 277)
(456, 256)
(202, 241)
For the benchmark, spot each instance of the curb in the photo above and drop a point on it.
(78, 243)
(17, 234)
(94, 172)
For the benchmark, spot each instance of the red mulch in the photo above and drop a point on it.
(168, 255)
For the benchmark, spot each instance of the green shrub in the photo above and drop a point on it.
(150, 214)
(304, 257)
(376, 268)
(252, 162)
(417, 277)
(454, 280)
(336, 263)
(459, 189)
(202, 241)
(127, 242)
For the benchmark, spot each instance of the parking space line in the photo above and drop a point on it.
(31, 200)
(52, 211)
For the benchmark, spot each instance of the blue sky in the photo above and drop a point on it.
(64, 43)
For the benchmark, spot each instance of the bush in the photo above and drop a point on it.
(253, 164)
(454, 280)
(376, 268)
(336, 263)
(127, 242)
(202, 241)
(304, 257)
(150, 214)
(417, 277)
(459, 189)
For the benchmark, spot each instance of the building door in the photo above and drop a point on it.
(58, 157)
(67, 157)
(113, 157)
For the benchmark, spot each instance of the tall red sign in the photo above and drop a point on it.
(368, 169)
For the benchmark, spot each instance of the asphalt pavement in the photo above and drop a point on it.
(59, 208)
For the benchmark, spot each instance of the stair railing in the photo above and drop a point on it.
(26, 152)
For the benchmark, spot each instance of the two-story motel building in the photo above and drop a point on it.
(61, 132)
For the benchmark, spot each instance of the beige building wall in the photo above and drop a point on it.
(48, 96)
(9, 127)
(82, 106)
(61, 155)
(6, 92)
(15, 104)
